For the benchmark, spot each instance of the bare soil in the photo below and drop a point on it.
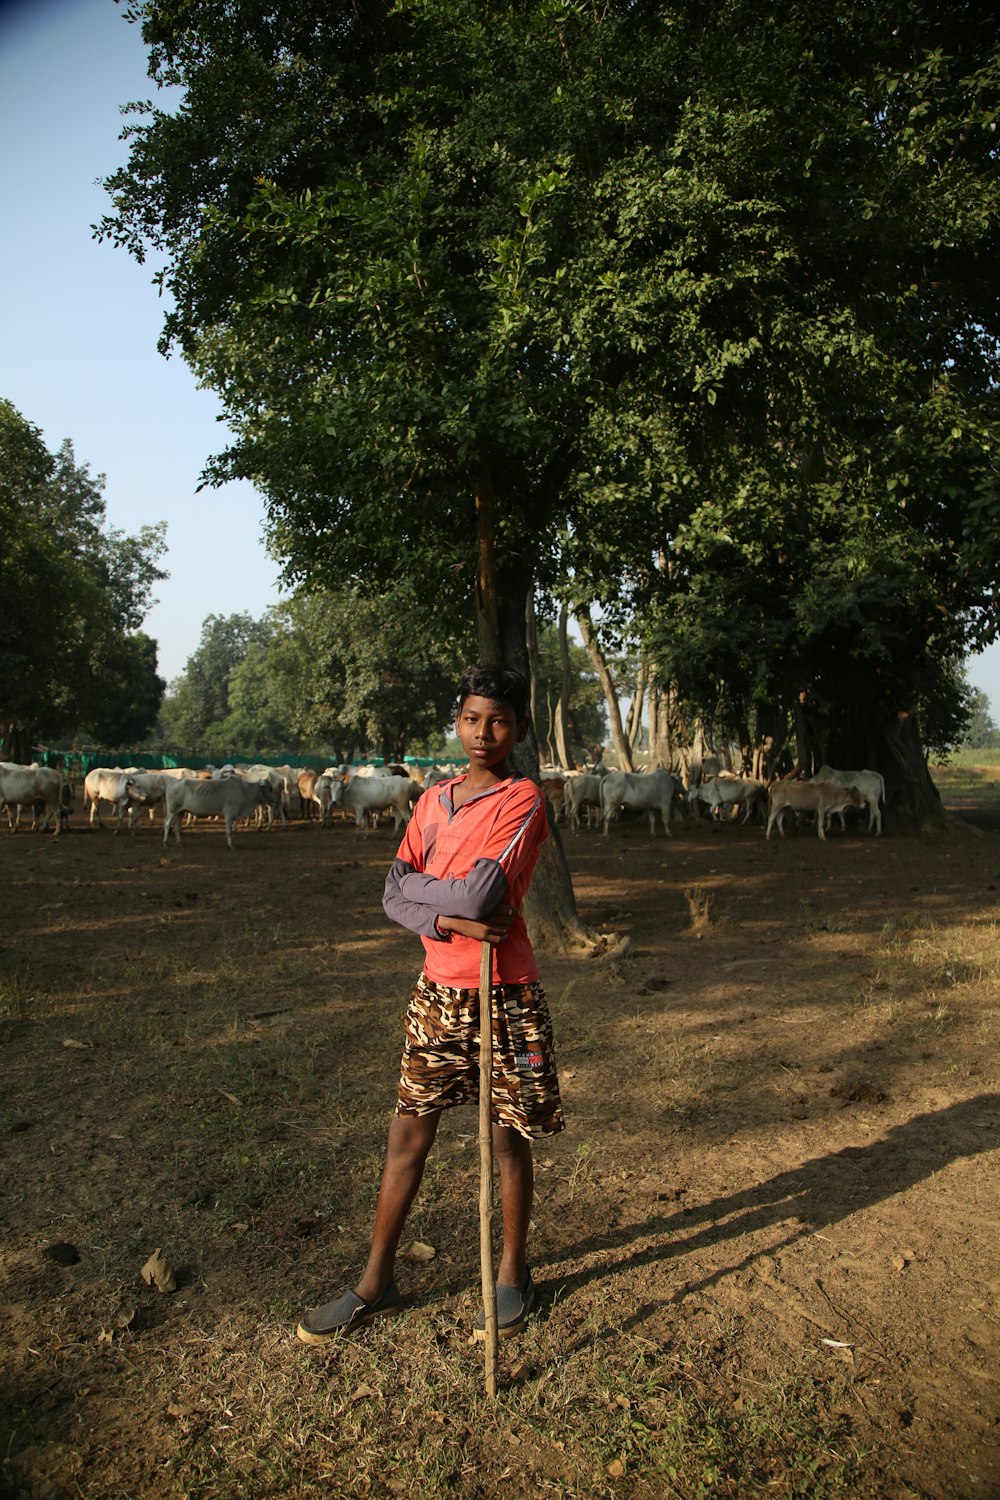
(780, 1164)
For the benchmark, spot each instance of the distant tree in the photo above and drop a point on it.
(264, 695)
(326, 672)
(73, 593)
(382, 669)
(197, 708)
(981, 732)
(126, 692)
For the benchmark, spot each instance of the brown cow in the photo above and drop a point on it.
(808, 796)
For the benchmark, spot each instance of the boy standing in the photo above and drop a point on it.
(458, 880)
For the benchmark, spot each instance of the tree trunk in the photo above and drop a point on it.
(871, 738)
(699, 749)
(746, 748)
(501, 614)
(531, 639)
(550, 719)
(802, 766)
(15, 744)
(888, 742)
(771, 731)
(618, 737)
(633, 724)
(487, 622)
(914, 800)
(660, 748)
(562, 712)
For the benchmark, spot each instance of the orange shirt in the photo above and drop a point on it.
(462, 862)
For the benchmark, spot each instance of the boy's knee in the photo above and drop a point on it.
(412, 1135)
(510, 1144)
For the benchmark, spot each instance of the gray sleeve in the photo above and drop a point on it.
(473, 896)
(413, 915)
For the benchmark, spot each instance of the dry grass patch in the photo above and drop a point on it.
(701, 908)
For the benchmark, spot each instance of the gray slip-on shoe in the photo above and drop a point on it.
(513, 1306)
(349, 1311)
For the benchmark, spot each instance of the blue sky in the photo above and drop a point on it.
(80, 323)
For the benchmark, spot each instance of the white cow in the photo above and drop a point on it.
(367, 795)
(820, 798)
(868, 783)
(290, 776)
(439, 773)
(24, 786)
(109, 785)
(153, 786)
(321, 792)
(579, 792)
(276, 781)
(728, 792)
(650, 792)
(230, 798)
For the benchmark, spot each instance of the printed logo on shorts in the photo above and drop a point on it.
(534, 1060)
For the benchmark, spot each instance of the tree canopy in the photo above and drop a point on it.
(688, 309)
(73, 593)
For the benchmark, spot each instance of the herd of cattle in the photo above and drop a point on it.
(658, 793)
(235, 794)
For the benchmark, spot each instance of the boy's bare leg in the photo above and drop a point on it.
(410, 1139)
(517, 1184)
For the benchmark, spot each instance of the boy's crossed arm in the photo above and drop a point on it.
(471, 905)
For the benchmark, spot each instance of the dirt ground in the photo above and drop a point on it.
(783, 1113)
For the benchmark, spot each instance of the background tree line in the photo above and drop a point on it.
(340, 675)
(330, 673)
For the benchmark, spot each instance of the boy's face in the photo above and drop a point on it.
(488, 731)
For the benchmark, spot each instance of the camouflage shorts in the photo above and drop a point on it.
(440, 1066)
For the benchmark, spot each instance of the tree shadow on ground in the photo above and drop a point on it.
(819, 1193)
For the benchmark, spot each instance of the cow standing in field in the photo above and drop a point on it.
(153, 788)
(868, 783)
(230, 798)
(115, 786)
(728, 792)
(26, 786)
(554, 781)
(807, 796)
(276, 781)
(365, 796)
(651, 793)
(580, 792)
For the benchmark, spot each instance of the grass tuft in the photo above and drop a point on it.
(700, 905)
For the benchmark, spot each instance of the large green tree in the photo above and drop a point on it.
(356, 206)
(696, 304)
(826, 541)
(73, 593)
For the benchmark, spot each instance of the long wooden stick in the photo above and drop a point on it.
(486, 1164)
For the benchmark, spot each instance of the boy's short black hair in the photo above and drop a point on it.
(499, 684)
